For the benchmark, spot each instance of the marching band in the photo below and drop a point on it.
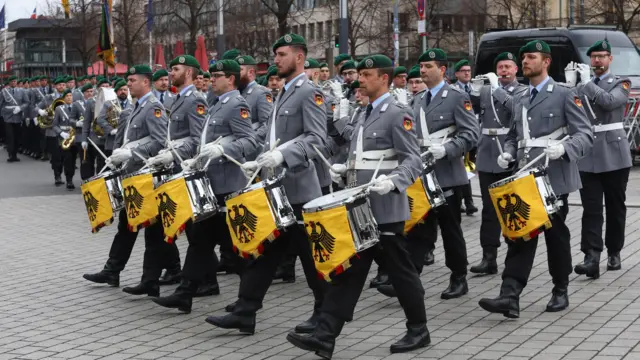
(338, 173)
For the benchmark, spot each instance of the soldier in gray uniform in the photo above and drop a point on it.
(258, 97)
(415, 84)
(549, 111)
(145, 133)
(299, 122)
(13, 104)
(496, 122)
(94, 161)
(349, 75)
(52, 142)
(76, 91)
(386, 126)
(78, 111)
(122, 92)
(338, 61)
(604, 171)
(161, 88)
(63, 122)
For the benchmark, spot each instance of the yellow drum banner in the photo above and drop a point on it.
(419, 205)
(251, 223)
(96, 199)
(139, 200)
(520, 208)
(174, 208)
(331, 240)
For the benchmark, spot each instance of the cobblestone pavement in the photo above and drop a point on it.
(49, 312)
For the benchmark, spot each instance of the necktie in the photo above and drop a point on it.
(136, 107)
(534, 92)
(162, 97)
(215, 100)
(466, 88)
(596, 80)
(123, 105)
(368, 111)
(428, 98)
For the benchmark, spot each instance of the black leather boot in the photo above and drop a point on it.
(58, 180)
(614, 262)
(70, 185)
(429, 258)
(417, 336)
(245, 324)
(380, 279)
(208, 289)
(489, 264)
(286, 270)
(387, 290)
(231, 307)
(559, 298)
(507, 303)
(323, 340)
(308, 326)
(104, 277)
(590, 266)
(457, 287)
(181, 299)
(149, 288)
(171, 276)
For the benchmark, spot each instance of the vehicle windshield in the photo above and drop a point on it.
(626, 61)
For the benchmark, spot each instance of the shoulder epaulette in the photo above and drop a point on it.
(455, 88)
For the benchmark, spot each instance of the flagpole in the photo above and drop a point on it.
(150, 50)
(4, 49)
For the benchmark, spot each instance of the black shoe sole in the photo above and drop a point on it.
(183, 309)
(444, 296)
(141, 293)
(246, 331)
(614, 268)
(424, 343)
(321, 353)
(482, 272)
(587, 273)
(205, 294)
(508, 314)
(548, 309)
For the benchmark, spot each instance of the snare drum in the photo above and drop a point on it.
(523, 203)
(158, 175)
(139, 196)
(203, 202)
(113, 182)
(281, 210)
(102, 195)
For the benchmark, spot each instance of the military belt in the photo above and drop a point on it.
(437, 136)
(495, 131)
(543, 141)
(607, 127)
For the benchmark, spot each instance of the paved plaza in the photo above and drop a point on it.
(48, 311)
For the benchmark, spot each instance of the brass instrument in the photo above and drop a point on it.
(46, 122)
(113, 114)
(66, 144)
(468, 164)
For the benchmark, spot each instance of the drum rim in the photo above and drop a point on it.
(184, 174)
(535, 172)
(361, 192)
(107, 175)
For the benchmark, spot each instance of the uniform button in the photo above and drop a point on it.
(529, 118)
(595, 136)
(374, 134)
(527, 156)
(286, 111)
(214, 121)
(440, 117)
(618, 137)
(550, 114)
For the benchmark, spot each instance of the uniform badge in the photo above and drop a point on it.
(407, 124)
(158, 113)
(577, 101)
(200, 109)
(319, 99)
(467, 105)
(244, 113)
(269, 98)
(626, 85)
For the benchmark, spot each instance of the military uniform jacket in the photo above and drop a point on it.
(102, 122)
(36, 95)
(188, 116)
(77, 94)
(338, 145)
(449, 107)
(488, 150)
(147, 126)
(322, 170)
(87, 126)
(169, 98)
(62, 120)
(555, 106)
(608, 101)
(300, 123)
(260, 103)
(78, 109)
(13, 97)
(389, 126)
(229, 117)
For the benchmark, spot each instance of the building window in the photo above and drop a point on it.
(502, 21)
(303, 30)
(320, 36)
(479, 26)
(458, 23)
(294, 29)
(329, 29)
(312, 32)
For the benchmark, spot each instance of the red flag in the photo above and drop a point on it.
(33, 14)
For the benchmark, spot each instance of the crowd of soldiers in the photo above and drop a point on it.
(369, 106)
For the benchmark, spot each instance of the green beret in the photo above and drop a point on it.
(311, 64)
(227, 66)
(140, 69)
(355, 85)
(600, 45)
(119, 84)
(460, 64)
(200, 73)
(414, 73)
(246, 60)
(186, 60)
(503, 56)
(324, 65)
(81, 78)
(399, 70)
(375, 62)
(12, 77)
(69, 78)
(535, 46)
(86, 87)
(348, 66)
(260, 80)
(100, 77)
(272, 71)
(93, 76)
(434, 54)
(102, 81)
(288, 40)
(340, 58)
(207, 75)
(66, 92)
(115, 79)
(59, 80)
(158, 74)
(230, 54)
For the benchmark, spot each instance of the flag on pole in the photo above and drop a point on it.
(33, 14)
(65, 6)
(2, 18)
(150, 16)
(105, 45)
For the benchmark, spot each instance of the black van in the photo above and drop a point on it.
(567, 44)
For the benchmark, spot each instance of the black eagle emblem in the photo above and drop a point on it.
(92, 205)
(322, 241)
(133, 200)
(410, 203)
(167, 209)
(244, 225)
(514, 212)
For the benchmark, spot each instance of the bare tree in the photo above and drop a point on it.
(191, 15)
(281, 10)
(623, 13)
(365, 25)
(129, 20)
(247, 32)
(518, 14)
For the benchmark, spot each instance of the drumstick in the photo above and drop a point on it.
(499, 145)
(375, 172)
(538, 157)
(144, 160)
(173, 150)
(232, 160)
(84, 156)
(324, 159)
(97, 148)
(199, 156)
(372, 183)
(260, 167)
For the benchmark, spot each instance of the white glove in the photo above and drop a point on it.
(339, 169)
(120, 155)
(79, 123)
(188, 164)
(211, 150)
(16, 110)
(401, 96)
(165, 158)
(383, 185)
(85, 145)
(570, 74)
(438, 151)
(64, 135)
(249, 168)
(110, 164)
(504, 159)
(270, 159)
(336, 88)
(585, 73)
(113, 132)
(42, 112)
(554, 151)
(35, 121)
(335, 177)
(493, 80)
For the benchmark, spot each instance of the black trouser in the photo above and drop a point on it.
(466, 194)
(53, 147)
(421, 239)
(12, 138)
(258, 275)
(448, 217)
(69, 158)
(490, 231)
(344, 291)
(520, 254)
(158, 254)
(94, 162)
(613, 186)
